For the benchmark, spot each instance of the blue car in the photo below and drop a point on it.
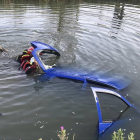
(126, 119)
(62, 73)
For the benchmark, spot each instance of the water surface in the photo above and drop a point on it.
(96, 37)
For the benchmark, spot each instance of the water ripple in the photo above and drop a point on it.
(94, 37)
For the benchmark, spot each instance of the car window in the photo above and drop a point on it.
(111, 106)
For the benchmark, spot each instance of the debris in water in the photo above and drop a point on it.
(42, 126)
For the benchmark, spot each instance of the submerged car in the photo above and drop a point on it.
(43, 48)
(127, 118)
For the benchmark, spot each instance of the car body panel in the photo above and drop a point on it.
(62, 73)
(102, 125)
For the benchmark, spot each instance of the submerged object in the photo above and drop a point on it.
(3, 49)
(61, 73)
(120, 122)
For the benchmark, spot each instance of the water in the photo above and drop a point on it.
(96, 37)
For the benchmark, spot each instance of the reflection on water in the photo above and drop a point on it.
(99, 37)
(117, 18)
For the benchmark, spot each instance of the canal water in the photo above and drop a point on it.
(100, 37)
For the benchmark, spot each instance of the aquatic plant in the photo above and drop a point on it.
(131, 136)
(62, 135)
(119, 135)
